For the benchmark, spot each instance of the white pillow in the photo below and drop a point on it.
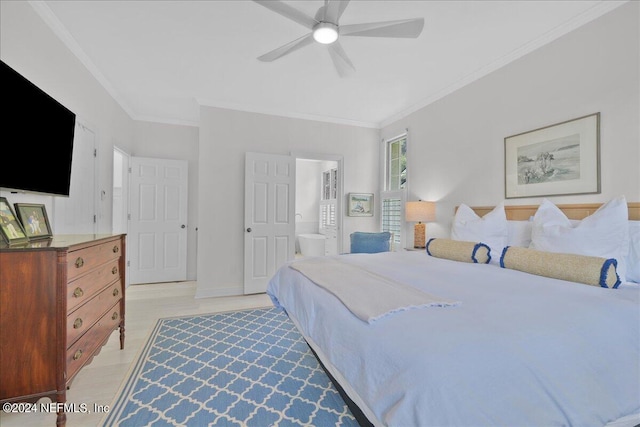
(519, 233)
(605, 233)
(491, 229)
(633, 258)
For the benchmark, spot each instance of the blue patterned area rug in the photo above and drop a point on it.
(241, 368)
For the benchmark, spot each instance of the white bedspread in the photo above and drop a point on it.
(520, 350)
(367, 295)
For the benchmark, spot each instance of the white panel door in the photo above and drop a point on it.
(77, 214)
(157, 243)
(269, 211)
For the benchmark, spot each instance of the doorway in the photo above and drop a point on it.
(78, 213)
(157, 243)
(120, 192)
(318, 218)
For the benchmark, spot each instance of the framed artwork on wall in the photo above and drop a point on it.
(360, 204)
(559, 159)
(34, 220)
(10, 228)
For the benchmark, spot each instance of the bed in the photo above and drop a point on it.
(512, 349)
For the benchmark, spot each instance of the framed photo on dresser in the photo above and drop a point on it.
(10, 228)
(34, 220)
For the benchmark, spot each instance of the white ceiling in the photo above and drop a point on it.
(161, 60)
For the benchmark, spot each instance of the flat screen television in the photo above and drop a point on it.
(37, 145)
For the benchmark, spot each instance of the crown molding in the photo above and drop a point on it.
(587, 16)
(47, 15)
(162, 120)
(288, 114)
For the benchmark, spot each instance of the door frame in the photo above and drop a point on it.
(123, 213)
(339, 159)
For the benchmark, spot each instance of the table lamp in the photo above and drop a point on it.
(420, 212)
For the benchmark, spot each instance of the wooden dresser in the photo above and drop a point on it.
(60, 300)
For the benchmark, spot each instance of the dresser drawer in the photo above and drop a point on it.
(85, 287)
(84, 260)
(82, 351)
(83, 318)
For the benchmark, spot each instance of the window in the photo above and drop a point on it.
(395, 183)
(328, 200)
(396, 164)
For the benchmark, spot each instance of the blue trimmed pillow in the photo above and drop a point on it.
(458, 250)
(370, 243)
(590, 270)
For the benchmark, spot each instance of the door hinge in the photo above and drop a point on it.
(129, 217)
(95, 152)
(129, 169)
(128, 263)
(95, 219)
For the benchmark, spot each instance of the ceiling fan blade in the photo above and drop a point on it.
(406, 28)
(287, 48)
(343, 64)
(334, 10)
(288, 12)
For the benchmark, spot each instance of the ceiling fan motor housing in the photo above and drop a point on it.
(325, 32)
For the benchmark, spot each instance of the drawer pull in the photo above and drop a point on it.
(77, 355)
(77, 324)
(116, 292)
(114, 316)
(78, 292)
(79, 262)
(116, 249)
(114, 270)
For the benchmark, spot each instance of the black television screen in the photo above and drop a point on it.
(37, 143)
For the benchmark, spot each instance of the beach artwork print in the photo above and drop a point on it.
(360, 204)
(549, 161)
(563, 158)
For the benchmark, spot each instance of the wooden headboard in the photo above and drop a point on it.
(577, 211)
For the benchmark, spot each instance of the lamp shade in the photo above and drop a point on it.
(420, 211)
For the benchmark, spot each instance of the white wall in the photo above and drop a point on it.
(31, 48)
(164, 141)
(308, 182)
(456, 144)
(225, 137)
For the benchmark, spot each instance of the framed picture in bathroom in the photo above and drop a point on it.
(360, 204)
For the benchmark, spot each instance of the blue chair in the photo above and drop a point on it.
(370, 243)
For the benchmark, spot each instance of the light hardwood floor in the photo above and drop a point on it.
(99, 382)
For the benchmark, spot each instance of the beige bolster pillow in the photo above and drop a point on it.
(458, 250)
(590, 270)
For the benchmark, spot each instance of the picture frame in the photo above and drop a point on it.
(560, 159)
(360, 204)
(34, 219)
(10, 228)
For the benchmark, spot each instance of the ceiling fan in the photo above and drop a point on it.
(326, 29)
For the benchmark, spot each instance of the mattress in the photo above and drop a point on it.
(519, 349)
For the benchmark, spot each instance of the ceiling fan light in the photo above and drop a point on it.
(325, 33)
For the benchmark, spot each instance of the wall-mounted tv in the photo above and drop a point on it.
(37, 142)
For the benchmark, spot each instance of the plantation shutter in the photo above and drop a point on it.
(393, 195)
(392, 218)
